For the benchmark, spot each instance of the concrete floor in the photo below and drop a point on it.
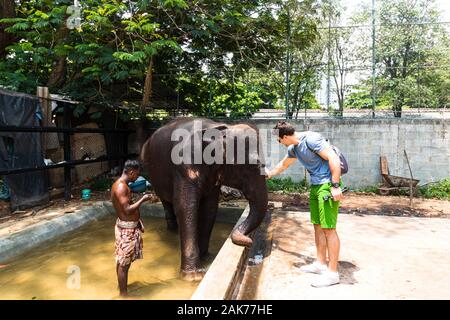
(381, 258)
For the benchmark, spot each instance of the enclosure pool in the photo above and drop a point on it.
(80, 265)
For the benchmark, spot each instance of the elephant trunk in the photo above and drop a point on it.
(258, 209)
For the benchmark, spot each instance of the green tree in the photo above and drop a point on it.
(296, 73)
(340, 50)
(411, 54)
(111, 60)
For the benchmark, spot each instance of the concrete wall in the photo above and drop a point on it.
(363, 141)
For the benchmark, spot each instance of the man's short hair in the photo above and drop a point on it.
(284, 129)
(131, 165)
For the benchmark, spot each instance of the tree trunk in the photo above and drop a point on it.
(7, 10)
(397, 106)
(58, 75)
(147, 86)
(140, 132)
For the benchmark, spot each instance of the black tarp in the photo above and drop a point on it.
(27, 189)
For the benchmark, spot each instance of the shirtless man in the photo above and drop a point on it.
(129, 227)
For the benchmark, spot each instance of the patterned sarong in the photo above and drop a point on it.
(129, 242)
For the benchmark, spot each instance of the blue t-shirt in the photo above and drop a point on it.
(318, 168)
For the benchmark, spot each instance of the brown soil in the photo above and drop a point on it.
(365, 203)
(354, 203)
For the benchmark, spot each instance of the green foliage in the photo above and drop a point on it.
(109, 48)
(303, 53)
(439, 190)
(368, 189)
(105, 62)
(286, 185)
(226, 56)
(236, 98)
(218, 98)
(361, 98)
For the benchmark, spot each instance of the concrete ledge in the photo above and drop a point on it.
(225, 272)
(22, 241)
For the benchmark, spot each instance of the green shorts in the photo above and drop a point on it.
(323, 212)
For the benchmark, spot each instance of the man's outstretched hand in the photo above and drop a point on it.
(149, 197)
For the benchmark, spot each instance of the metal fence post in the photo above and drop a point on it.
(67, 153)
(373, 61)
(288, 60)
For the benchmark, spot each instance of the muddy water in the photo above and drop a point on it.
(81, 266)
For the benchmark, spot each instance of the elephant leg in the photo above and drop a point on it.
(171, 218)
(186, 209)
(207, 217)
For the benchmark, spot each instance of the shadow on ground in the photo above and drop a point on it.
(346, 269)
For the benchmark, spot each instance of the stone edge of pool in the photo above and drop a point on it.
(20, 242)
(223, 278)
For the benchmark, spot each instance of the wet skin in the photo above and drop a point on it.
(126, 211)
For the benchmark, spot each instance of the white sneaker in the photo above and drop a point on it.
(326, 279)
(315, 267)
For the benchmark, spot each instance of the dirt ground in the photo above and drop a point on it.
(373, 204)
(354, 203)
(56, 206)
(381, 257)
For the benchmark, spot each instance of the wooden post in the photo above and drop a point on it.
(410, 181)
(384, 165)
(67, 154)
(42, 93)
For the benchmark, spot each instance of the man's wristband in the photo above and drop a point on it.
(335, 185)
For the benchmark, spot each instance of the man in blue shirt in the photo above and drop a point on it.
(323, 166)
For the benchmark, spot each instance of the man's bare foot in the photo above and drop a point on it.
(128, 296)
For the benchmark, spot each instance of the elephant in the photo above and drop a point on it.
(189, 192)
